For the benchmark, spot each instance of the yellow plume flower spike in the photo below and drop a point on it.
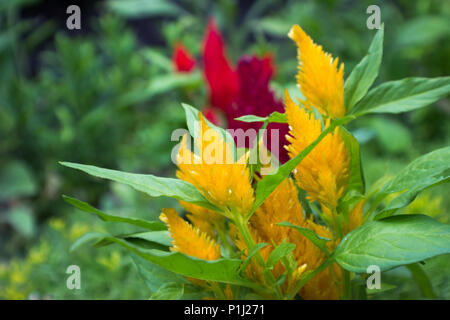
(320, 77)
(355, 217)
(219, 179)
(203, 219)
(283, 205)
(324, 172)
(187, 239)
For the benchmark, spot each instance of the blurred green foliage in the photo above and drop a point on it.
(102, 97)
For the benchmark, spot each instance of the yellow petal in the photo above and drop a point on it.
(324, 172)
(320, 77)
(219, 179)
(187, 239)
(203, 219)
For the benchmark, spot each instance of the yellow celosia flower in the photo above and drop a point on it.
(205, 220)
(219, 179)
(355, 217)
(324, 172)
(188, 239)
(283, 205)
(320, 77)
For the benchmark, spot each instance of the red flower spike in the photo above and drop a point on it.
(212, 115)
(182, 60)
(222, 79)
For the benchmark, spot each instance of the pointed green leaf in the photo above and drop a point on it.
(320, 242)
(356, 179)
(403, 95)
(274, 117)
(169, 291)
(424, 172)
(280, 251)
(364, 74)
(222, 270)
(149, 184)
(250, 255)
(150, 225)
(392, 242)
(422, 280)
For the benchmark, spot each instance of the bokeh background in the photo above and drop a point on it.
(108, 95)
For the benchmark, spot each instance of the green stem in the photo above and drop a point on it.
(223, 239)
(347, 284)
(217, 290)
(304, 279)
(241, 224)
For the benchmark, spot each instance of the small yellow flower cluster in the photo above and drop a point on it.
(15, 276)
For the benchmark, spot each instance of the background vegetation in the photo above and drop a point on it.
(108, 95)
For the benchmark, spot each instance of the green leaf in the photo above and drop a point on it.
(169, 291)
(424, 172)
(149, 225)
(154, 276)
(320, 242)
(364, 74)
(192, 115)
(384, 287)
(158, 59)
(160, 240)
(356, 179)
(252, 252)
(222, 270)
(422, 32)
(168, 82)
(403, 95)
(159, 85)
(22, 219)
(422, 280)
(274, 117)
(280, 251)
(270, 182)
(161, 237)
(149, 184)
(16, 180)
(277, 27)
(393, 242)
(143, 8)
(386, 128)
(87, 238)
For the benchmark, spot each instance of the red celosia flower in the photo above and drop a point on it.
(182, 60)
(244, 91)
(255, 97)
(212, 115)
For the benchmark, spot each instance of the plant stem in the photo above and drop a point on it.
(347, 284)
(304, 279)
(241, 224)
